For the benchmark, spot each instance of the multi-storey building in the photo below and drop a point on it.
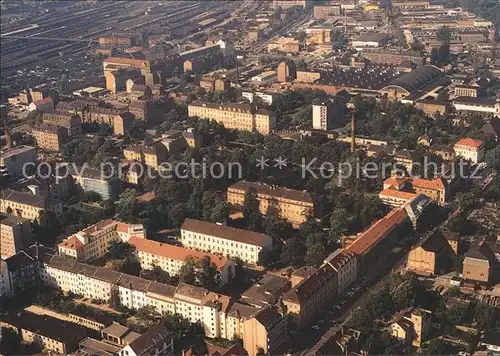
(466, 90)
(413, 327)
(480, 264)
(42, 105)
(15, 234)
(14, 159)
(379, 239)
(319, 35)
(217, 313)
(49, 333)
(436, 189)
(50, 137)
(346, 266)
(286, 4)
(94, 180)
(152, 156)
(171, 258)
(470, 149)
(328, 11)
(225, 240)
(433, 256)
(287, 71)
(310, 297)
(266, 291)
(235, 116)
(27, 205)
(328, 115)
(266, 331)
(290, 204)
(93, 242)
(71, 122)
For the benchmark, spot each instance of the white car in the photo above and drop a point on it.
(315, 327)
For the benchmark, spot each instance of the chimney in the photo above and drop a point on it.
(353, 130)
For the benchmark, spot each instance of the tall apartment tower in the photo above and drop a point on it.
(322, 116)
(287, 71)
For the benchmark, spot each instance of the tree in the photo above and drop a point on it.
(155, 274)
(439, 347)
(251, 211)
(187, 273)
(220, 212)
(147, 315)
(293, 253)
(10, 342)
(443, 34)
(486, 316)
(119, 250)
(453, 291)
(456, 314)
(493, 158)
(114, 299)
(315, 255)
(268, 257)
(206, 273)
(208, 202)
(443, 54)
(126, 205)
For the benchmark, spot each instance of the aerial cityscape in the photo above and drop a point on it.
(250, 177)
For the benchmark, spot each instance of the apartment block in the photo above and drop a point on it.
(470, 149)
(15, 234)
(93, 242)
(119, 119)
(225, 240)
(152, 156)
(379, 239)
(27, 205)
(14, 159)
(235, 116)
(171, 258)
(93, 180)
(287, 71)
(319, 35)
(59, 336)
(436, 189)
(50, 137)
(328, 115)
(346, 266)
(312, 296)
(266, 331)
(321, 12)
(290, 204)
(71, 122)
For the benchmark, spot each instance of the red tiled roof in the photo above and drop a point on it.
(72, 243)
(469, 142)
(377, 231)
(396, 194)
(174, 252)
(43, 101)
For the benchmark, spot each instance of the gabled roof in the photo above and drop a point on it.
(492, 127)
(470, 142)
(224, 232)
(174, 252)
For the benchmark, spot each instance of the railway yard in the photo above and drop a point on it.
(41, 37)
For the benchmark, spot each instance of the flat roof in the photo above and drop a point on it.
(15, 151)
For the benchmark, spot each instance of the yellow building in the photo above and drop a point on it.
(436, 189)
(312, 296)
(27, 205)
(171, 258)
(346, 266)
(290, 204)
(319, 35)
(50, 137)
(93, 242)
(151, 156)
(470, 149)
(433, 256)
(225, 240)
(15, 235)
(235, 116)
(265, 331)
(413, 327)
(59, 336)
